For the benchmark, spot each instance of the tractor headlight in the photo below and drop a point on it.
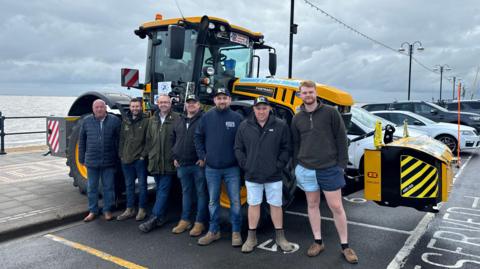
(211, 26)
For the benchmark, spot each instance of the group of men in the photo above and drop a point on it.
(206, 149)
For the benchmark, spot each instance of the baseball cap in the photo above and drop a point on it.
(222, 91)
(261, 100)
(191, 97)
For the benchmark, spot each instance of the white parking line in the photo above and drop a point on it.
(356, 223)
(417, 233)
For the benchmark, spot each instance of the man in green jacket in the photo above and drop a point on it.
(131, 152)
(160, 161)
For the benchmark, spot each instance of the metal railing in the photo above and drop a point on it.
(3, 134)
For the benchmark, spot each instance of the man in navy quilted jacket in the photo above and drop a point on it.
(97, 148)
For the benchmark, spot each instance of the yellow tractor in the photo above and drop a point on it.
(198, 55)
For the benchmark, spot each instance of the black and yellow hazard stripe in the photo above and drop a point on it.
(418, 179)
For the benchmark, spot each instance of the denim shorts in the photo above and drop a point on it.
(328, 179)
(273, 192)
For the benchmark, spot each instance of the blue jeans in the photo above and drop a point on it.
(193, 182)
(131, 172)
(107, 175)
(163, 183)
(231, 177)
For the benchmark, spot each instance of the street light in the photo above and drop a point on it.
(441, 68)
(454, 79)
(410, 47)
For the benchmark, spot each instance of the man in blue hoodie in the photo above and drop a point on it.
(214, 141)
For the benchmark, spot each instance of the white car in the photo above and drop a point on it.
(444, 132)
(363, 122)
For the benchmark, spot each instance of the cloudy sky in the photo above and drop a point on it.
(63, 48)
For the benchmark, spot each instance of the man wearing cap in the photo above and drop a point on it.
(160, 162)
(321, 151)
(190, 169)
(214, 141)
(262, 148)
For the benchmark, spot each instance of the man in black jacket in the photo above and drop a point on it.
(190, 169)
(97, 150)
(214, 141)
(262, 148)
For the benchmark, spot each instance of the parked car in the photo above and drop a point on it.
(429, 110)
(472, 106)
(362, 123)
(444, 132)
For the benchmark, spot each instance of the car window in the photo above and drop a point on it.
(355, 129)
(393, 117)
(375, 107)
(422, 108)
(410, 120)
(403, 106)
(436, 106)
(384, 115)
(366, 118)
(474, 105)
(452, 106)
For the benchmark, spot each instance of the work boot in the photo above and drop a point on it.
(91, 216)
(315, 249)
(128, 213)
(236, 239)
(151, 224)
(108, 216)
(209, 238)
(182, 226)
(251, 242)
(350, 255)
(142, 213)
(282, 241)
(197, 229)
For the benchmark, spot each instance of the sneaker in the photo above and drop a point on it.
(151, 224)
(236, 239)
(91, 216)
(197, 229)
(350, 255)
(182, 226)
(315, 249)
(128, 213)
(142, 213)
(209, 238)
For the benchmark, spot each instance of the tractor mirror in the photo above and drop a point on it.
(272, 63)
(176, 41)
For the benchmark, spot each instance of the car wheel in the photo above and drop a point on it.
(449, 141)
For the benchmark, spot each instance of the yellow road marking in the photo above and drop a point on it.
(92, 251)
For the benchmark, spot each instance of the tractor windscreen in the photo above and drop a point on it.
(172, 69)
(229, 60)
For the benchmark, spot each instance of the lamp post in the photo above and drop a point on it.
(293, 31)
(410, 47)
(442, 68)
(454, 79)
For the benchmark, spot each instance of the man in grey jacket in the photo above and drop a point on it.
(262, 148)
(321, 153)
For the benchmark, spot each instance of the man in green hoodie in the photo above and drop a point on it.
(321, 154)
(160, 160)
(131, 152)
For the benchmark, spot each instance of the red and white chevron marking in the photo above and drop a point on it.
(53, 135)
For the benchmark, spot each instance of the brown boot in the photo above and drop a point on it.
(182, 226)
(209, 238)
(236, 239)
(350, 255)
(282, 242)
(142, 213)
(251, 242)
(89, 217)
(315, 249)
(197, 229)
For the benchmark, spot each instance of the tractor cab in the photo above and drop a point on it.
(197, 55)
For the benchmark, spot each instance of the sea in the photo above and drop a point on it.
(25, 106)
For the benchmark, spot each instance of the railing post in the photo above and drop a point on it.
(2, 134)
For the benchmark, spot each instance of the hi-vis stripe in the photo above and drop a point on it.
(418, 179)
(53, 135)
